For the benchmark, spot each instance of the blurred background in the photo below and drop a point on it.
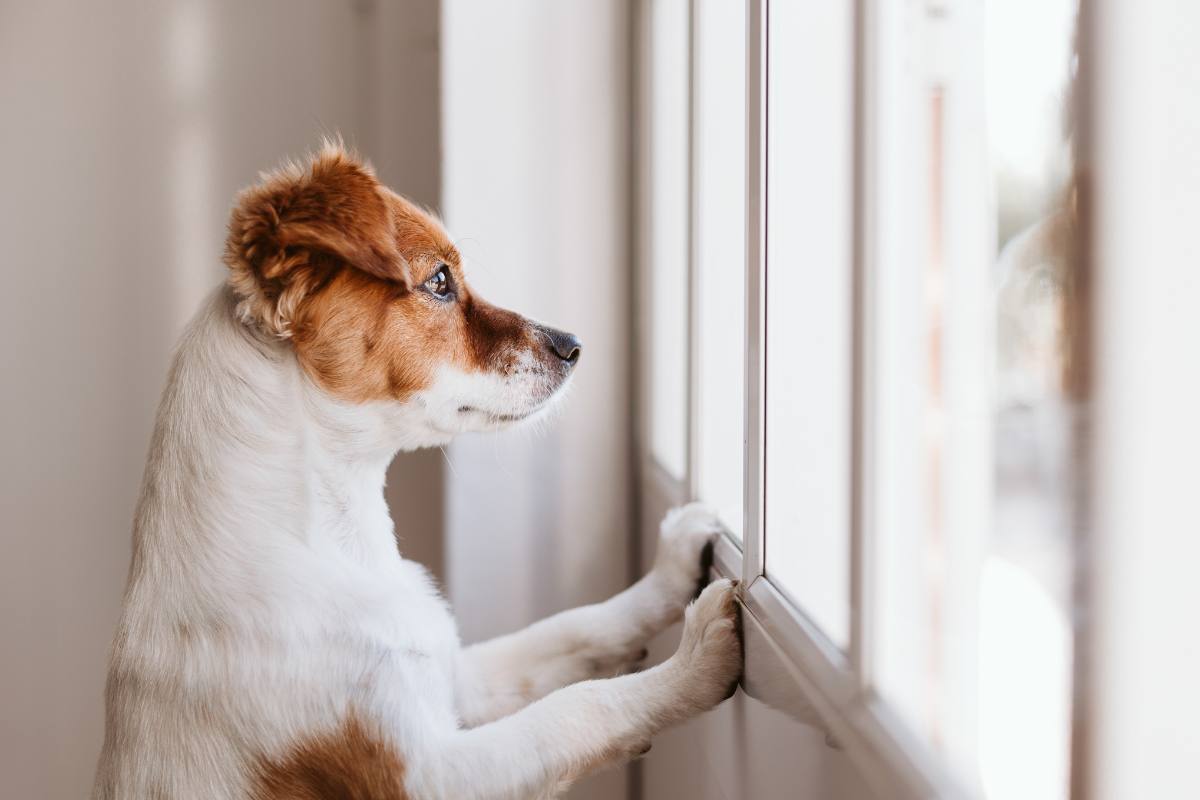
(904, 288)
(129, 127)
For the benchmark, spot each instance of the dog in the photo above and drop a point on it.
(273, 641)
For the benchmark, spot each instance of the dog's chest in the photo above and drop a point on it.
(405, 646)
(400, 613)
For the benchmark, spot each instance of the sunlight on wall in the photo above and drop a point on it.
(1028, 44)
(1024, 677)
(1025, 632)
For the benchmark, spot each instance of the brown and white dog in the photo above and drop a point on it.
(274, 643)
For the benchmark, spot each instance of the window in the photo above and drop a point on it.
(876, 385)
(669, 247)
(697, 210)
(719, 236)
(809, 275)
(972, 409)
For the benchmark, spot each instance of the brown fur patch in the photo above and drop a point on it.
(349, 763)
(327, 256)
(287, 232)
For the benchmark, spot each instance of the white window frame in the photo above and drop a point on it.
(891, 758)
(780, 639)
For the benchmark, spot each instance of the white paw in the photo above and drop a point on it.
(682, 537)
(710, 653)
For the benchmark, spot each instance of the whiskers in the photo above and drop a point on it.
(539, 423)
(449, 462)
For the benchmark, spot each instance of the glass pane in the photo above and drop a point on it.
(669, 235)
(809, 327)
(720, 142)
(974, 400)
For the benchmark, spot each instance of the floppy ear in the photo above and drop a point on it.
(289, 232)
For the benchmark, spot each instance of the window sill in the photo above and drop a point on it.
(792, 667)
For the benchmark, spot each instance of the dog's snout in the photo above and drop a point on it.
(564, 345)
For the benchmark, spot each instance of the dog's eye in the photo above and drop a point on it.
(439, 284)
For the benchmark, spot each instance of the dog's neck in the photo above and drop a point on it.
(249, 454)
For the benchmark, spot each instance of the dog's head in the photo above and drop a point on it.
(370, 291)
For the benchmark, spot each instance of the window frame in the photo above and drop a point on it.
(780, 638)
(836, 682)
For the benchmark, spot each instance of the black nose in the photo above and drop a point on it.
(565, 345)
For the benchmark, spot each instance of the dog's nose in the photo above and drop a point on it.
(565, 345)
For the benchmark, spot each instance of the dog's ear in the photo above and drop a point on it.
(290, 231)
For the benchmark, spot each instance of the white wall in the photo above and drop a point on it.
(126, 127)
(536, 121)
(1141, 646)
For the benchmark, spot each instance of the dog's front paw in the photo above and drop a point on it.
(709, 658)
(685, 533)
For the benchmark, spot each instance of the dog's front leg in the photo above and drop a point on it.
(539, 750)
(497, 677)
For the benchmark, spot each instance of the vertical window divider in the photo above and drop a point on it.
(692, 451)
(862, 230)
(754, 486)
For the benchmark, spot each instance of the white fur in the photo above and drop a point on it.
(267, 599)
